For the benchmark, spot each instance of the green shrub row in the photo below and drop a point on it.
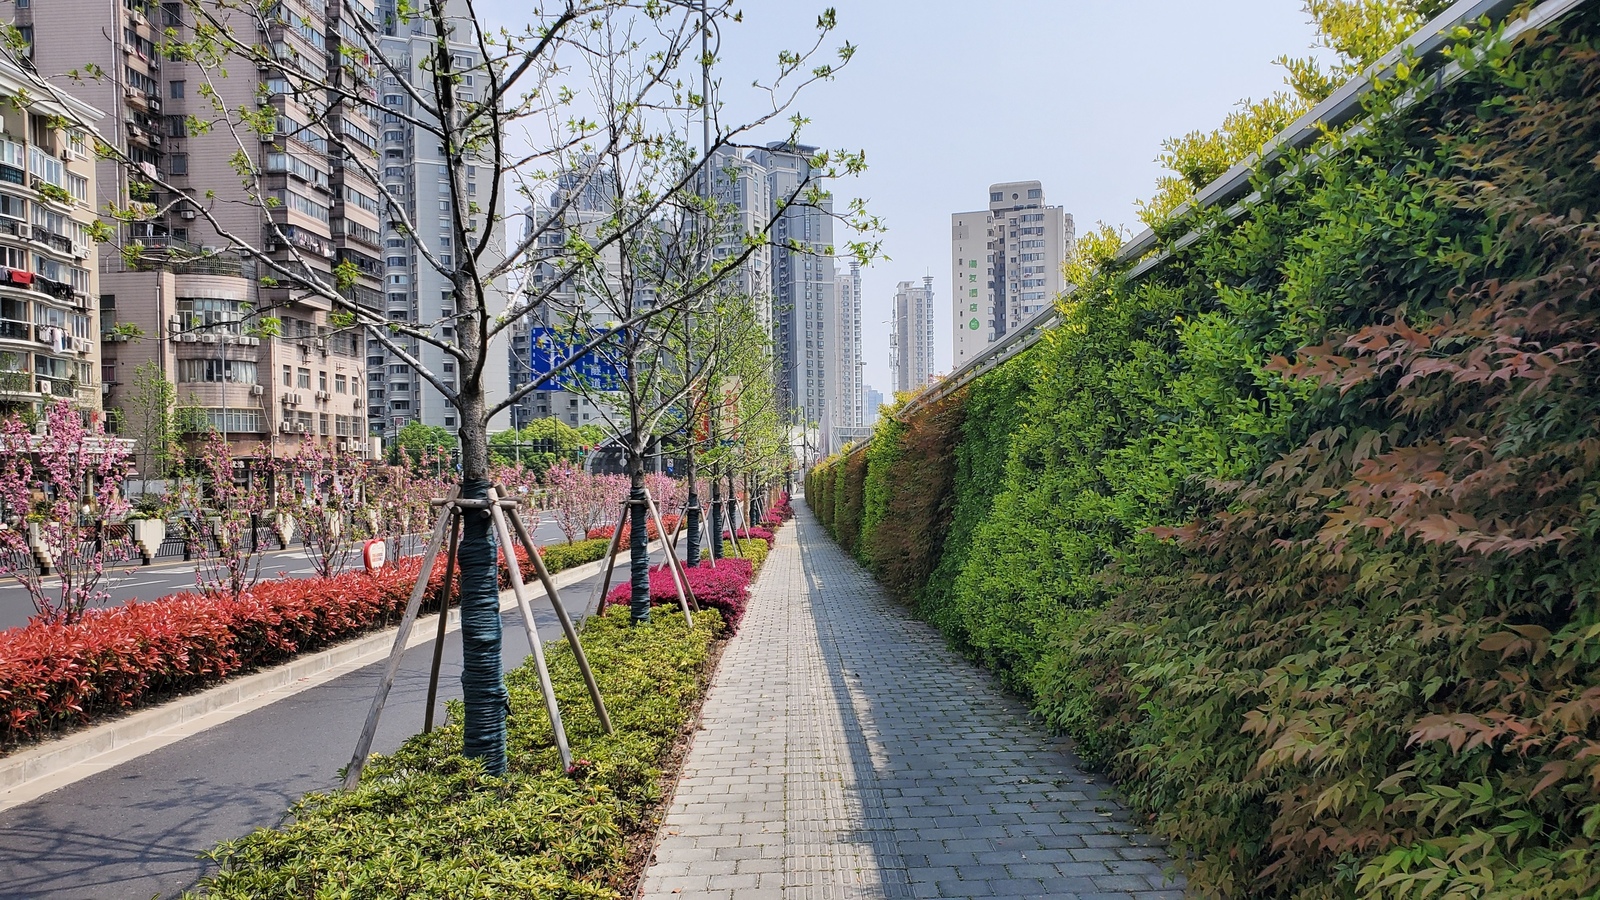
(1295, 534)
(426, 821)
(565, 556)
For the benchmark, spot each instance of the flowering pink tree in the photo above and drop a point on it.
(222, 519)
(579, 501)
(323, 493)
(521, 483)
(62, 487)
(668, 492)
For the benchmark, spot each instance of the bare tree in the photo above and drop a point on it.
(580, 88)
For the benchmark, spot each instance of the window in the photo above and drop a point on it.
(245, 420)
(300, 204)
(303, 377)
(339, 384)
(288, 376)
(1035, 193)
(177, 89)
(13, 207)
(996, 196)
(322, 381)
(322, 424)
(178, 163)
(216, 371)
(299, 168)
(365, 201)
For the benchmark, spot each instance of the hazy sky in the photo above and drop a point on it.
(1092, 90)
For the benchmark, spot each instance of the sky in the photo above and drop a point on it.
(1093, 90)
(946, 97)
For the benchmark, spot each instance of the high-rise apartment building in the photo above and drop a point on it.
(194, 309)
(592, 196)
(874, 403)
(1005, 264)
(803, 293)
(49, 283)
(744, 198)
(911, 341)
(416, 175)
(849, 417)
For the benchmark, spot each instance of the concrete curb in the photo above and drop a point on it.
(32, 773)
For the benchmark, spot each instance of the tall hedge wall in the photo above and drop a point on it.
(1296, 534)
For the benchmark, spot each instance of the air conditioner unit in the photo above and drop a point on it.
(155, 139)
(80, 251)
(322, 345)
(155, 105)
(344, 446)
(44, 386)
(283, 427)
(301, 427)
(208, 338)
(175, 324)
(257, 390)
(188, 215)
(322, 395)
(358, 404)
(186, 338)
(252, 342)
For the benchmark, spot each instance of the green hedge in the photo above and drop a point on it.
(565, 556)
(426, 822)
(1295, 534)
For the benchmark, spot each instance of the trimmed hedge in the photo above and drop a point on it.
(54, 676)
(426, 821)
(725, 588)
(1295, 535)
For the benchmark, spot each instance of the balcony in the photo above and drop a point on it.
(57, 242)
(11, 330)
(57, 387)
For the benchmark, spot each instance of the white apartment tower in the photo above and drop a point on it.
(911, 341)
(415, 291)
(744, 199)
(849, 415)
(803, 294)
(593, 196)
(1005, 265)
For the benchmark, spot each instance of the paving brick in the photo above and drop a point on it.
(845, 751)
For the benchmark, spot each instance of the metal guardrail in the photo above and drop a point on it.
(1424, 47)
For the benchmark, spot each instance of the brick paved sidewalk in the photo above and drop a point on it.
(846, 752)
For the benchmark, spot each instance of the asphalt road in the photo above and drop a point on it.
(167, 577)
(137, 831)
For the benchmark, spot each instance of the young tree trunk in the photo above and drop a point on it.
(716, 515)
(483, 689)
(638, 540)
(692, 550)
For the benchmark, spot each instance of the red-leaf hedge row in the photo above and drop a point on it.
(725, 588)
(604, 532)
(760, 534)
(59, 675)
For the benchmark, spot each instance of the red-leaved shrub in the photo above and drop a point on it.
(114, 659)
(605, 531)
(725, 588)
(760, 534)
